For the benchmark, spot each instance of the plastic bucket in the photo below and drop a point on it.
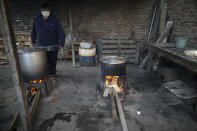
(181, 42)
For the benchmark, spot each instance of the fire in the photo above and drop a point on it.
(33, 90)
(38, 81)
(112, 82)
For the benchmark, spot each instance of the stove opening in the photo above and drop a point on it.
(34, 89)
(114, 82)
(38, 81)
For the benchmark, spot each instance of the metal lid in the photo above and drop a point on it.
(29, 50)
(113, 60)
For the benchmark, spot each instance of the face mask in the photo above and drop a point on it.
(45, 13)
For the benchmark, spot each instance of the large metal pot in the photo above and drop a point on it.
(33, 63)
(113, 65)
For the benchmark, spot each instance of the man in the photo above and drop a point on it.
(46, 32)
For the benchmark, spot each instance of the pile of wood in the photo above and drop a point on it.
(160, 31)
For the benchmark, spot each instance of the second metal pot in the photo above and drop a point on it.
(113, 65)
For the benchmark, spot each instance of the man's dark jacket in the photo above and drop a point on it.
(47, 32)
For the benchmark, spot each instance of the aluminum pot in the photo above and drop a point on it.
(113, 65)
(33, 63)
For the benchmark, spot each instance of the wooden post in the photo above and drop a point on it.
(10, 48)
(71, 31)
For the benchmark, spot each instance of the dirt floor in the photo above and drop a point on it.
(75, 103)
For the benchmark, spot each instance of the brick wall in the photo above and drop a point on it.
(108, 19)
(184, 13)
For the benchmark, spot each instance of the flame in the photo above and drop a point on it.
(39, 81)
(33, 90)
(112, 82)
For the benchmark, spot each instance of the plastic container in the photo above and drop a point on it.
(180, 42)
(87, 56)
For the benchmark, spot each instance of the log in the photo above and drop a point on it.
(10, 48)
(121, 113)
(166, 32)
(13, 124)
(114, 112)
(34, 105)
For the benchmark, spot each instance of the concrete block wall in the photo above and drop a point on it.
(184, 13)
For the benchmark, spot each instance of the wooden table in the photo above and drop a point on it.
(169, 51)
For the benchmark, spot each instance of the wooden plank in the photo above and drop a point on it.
(108, 54)
(152, 22)
(109, 41)
(117, 41)
(4, 57)
(13, 123)
(119, 46)
(110, 51)
(163, 37)
(110, 46)
(3, 62)
(34, 105)
(114, 112)
(128, 46)
(2, 46)
(128, 41)
(128, 51)
(163, 7)
(121, 113)
(10, 47)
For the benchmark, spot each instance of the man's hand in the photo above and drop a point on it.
(61, 47)
(32, 45)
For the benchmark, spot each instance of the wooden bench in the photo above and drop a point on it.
(168, 51)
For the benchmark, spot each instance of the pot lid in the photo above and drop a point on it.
(29, 50)
(113, 60)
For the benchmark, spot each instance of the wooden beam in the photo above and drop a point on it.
(121, 113)
(13, 124)
(165, 32)
(114, 112)
(10, 48)
(163, 7)
(152, 22)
